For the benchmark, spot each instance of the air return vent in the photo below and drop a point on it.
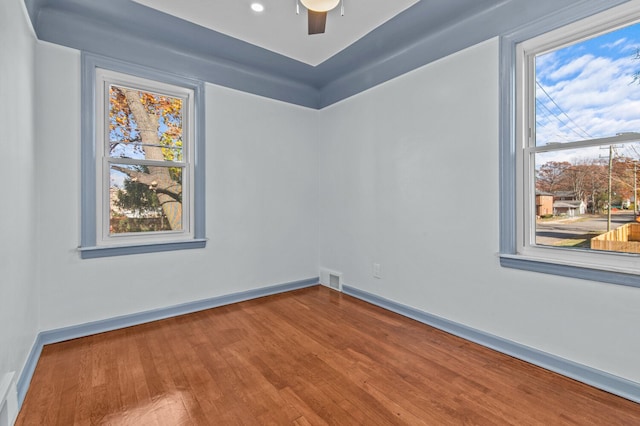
(331, 279)
(334, 282)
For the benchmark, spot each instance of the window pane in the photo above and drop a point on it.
(145, 199)
(144, 125)
(586, 197)
(574, 202)
(589, 89)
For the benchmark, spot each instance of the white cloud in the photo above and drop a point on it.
(600, 99)
(615, 43)
(571, 68)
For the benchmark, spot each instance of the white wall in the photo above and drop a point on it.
(261, 189)
(409, 179)
(18, 226)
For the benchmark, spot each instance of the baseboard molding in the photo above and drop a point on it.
(582, 373)
(95, 327)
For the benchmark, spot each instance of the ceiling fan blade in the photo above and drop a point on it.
(317, 21)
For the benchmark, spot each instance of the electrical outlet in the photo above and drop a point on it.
(376, 270)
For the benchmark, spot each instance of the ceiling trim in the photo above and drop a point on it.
(129, 31)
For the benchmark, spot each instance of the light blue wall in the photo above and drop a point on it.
(261, 204)
(19, 176)
(410, 181)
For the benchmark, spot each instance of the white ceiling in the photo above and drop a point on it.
(279, 29)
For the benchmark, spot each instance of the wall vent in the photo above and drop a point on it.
(331, 279)
(334, 282)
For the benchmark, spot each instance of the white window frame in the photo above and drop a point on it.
(96, 240)
(518, 50)
(105, 78)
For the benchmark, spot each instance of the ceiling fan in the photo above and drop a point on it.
(317, 13)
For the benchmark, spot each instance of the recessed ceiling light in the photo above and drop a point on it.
(257, 7)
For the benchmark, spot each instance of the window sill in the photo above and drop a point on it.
(546, 266)
(108, 251)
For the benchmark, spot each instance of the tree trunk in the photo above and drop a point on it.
(148, 128)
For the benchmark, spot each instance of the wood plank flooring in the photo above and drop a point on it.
(307, 357)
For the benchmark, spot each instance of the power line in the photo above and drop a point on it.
(545, 117)
(558, 135)
(562, 111)
(539, 102)
(633, 150)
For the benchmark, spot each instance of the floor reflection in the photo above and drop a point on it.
(168, 409)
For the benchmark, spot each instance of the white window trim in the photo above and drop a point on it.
(95, 238)
(515, 252)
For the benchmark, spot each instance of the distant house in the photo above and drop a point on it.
(569, 208)
(559, 203)
(544, 204)
(564, 196)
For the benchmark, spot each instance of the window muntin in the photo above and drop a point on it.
(573, 116)
(144, 141)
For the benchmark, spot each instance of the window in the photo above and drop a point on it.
(142, 181)
(576, 159)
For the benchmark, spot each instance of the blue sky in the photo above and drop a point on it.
(587, 90)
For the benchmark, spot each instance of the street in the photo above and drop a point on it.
(578, 231)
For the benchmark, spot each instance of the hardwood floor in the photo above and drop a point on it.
(308, 357)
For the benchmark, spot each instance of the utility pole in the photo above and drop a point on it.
(635, 191)
(611, 153)
(609, 201)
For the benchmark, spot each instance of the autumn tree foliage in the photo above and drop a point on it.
(590, 183)
(553, 176)
(587, 180)
(147, 126)
(622, 177)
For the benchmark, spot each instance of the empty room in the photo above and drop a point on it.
(308, 212)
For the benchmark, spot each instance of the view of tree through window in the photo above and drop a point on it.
(587, 143)
(145, 161)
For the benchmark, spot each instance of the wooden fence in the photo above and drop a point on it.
(625, 239)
